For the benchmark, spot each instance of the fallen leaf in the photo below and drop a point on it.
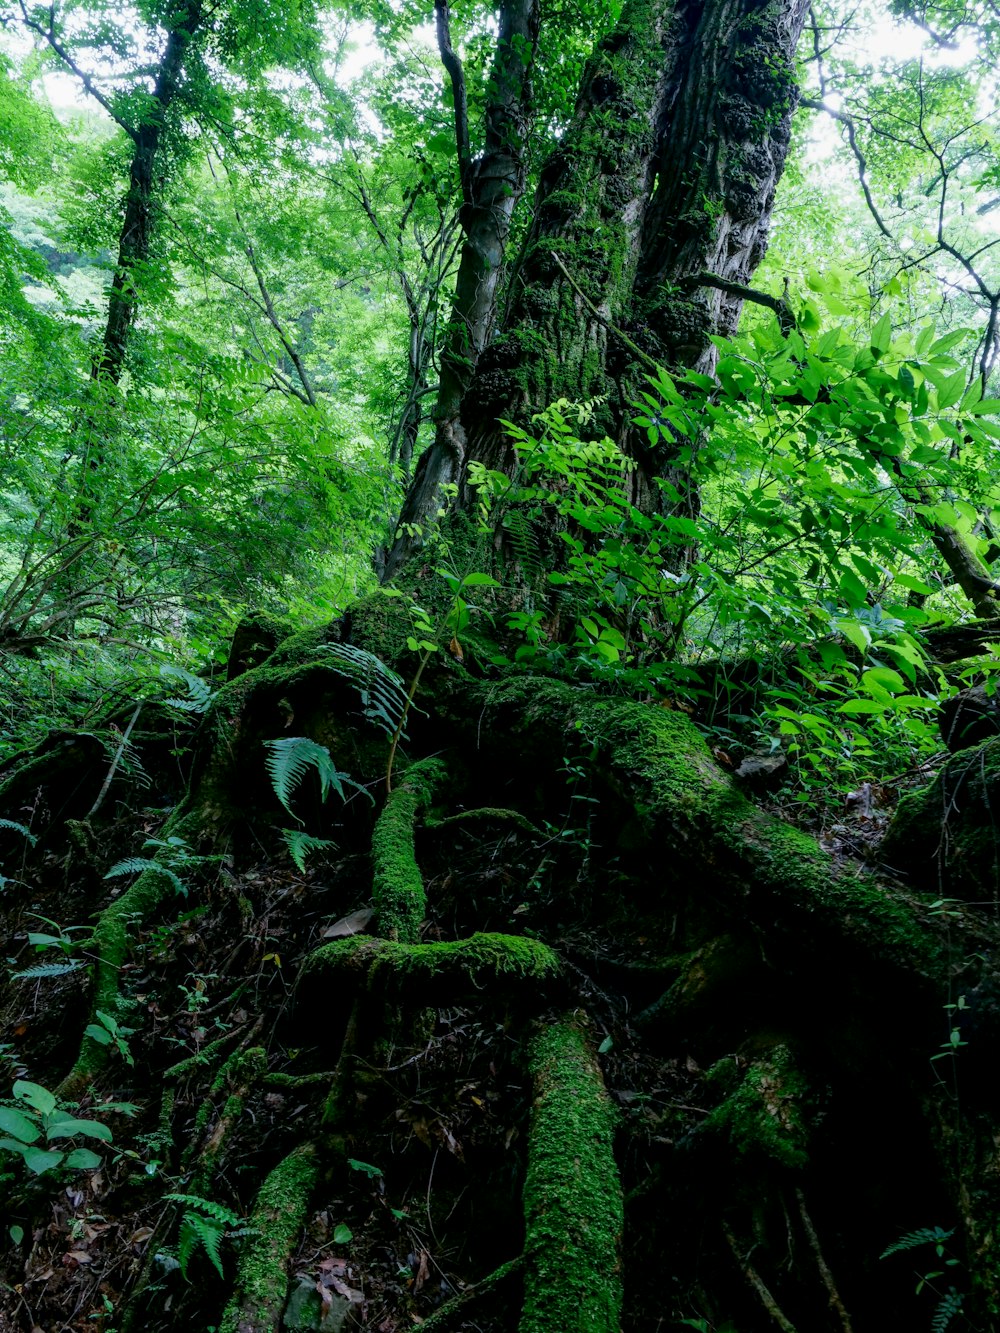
(352, 924)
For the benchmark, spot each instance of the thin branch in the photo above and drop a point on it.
(852, 138)
(453, 65)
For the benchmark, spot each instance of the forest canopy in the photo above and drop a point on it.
(499, 629)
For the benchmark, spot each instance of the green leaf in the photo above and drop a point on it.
(82, 1159)
(342, 1235)
(862, 706)
(66, 1126)
(38, 1161)
(883, 678)
(13, 1122)
(881, 335)
(479, 581)
(35, 1095)
(365, 1167)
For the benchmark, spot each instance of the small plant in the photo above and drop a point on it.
(174, 856)
(32, 1117)
(950, 1304)
(288, 760)
(108, 1032)
(61, 941)
(25, 833)
(203, 1225)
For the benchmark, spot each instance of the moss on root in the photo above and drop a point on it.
(764, 1116)
(573, 1207)
(953, 826)
(277, 1218)
(657, 760)
(480, 963)
(398, 886)
(113, 936)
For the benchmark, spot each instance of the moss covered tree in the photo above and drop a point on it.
(557, 1029)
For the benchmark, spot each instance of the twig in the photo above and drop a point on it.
(442, 1318)
(632, 346)
(755, 1280)
(835, 1302)
(114, 764)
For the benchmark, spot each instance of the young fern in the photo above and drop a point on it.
(203, 1224)
(913, 1239)
(383, 694)
(290, 758)
(948, 1308)
(137, 865)
(300, 844)
(19, 828)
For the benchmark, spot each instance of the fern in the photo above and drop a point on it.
(290, 758)
(383, 694)
(948, 1307)
(524, 543)
(300, 844)
(925, 1236)
(19, 828)
(203, 1224)
(199, 694)
(46, 970)
(138, 865)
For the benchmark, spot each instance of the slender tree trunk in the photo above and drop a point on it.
(492, 186)
(146, 175)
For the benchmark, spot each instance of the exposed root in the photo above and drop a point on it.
(277, 1218)
(572, 1193)
(756, 1281)
(824, 1269)
(110, 946)
(442, 1319)
(439, 973)
(398, 887)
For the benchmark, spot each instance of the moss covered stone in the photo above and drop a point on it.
(573, 1206)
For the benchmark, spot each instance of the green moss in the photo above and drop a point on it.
(479, 962)
(110, 944)
(398, 886)
(946, 835)
(657, 761)
(572, 1192)
(764, 1116)
(276, 1221)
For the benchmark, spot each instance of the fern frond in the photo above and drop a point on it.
(948, 1307)
(383, 693)
(199, 694)
(19, 828)
(913, 1239)
(300, 844)
(524, 543)
(210, 1207)
(288, 760)
(46, 970)
(137, 865)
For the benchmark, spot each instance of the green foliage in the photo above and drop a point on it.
(203, 1226)
(300, 844)
(290, 758)
(383, 694)
(32, 1117)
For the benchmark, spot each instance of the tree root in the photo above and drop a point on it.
(457, 1306)
(398, 887)
(278, 1215)
(693, 813)
(572, 1193)
(439, 973)
(756, 1281)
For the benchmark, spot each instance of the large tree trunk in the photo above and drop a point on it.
(661, 188)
